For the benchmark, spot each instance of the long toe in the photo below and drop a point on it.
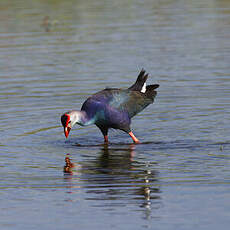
(135, 140)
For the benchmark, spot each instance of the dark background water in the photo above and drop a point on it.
(54, 54)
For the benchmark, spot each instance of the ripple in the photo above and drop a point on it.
(181, 167)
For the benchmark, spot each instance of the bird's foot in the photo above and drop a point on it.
(135, 140)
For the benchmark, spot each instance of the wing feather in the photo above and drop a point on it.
(126, 100)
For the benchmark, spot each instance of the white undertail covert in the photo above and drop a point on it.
(143, 88)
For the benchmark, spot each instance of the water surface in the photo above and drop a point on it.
(54, 54)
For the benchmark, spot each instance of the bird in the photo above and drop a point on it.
(113, 108)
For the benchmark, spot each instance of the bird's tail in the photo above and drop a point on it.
(140, 82)
(150, 91)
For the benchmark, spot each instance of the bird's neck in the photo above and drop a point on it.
(81, 118)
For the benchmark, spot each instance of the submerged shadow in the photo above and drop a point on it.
(115, 175)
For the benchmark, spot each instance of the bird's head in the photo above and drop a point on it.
(69, 119)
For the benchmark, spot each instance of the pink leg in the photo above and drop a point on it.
(136, 141)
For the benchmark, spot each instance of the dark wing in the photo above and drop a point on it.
(104, 96)
(134, 101)
(127, 100)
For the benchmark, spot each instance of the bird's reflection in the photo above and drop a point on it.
(116, 175)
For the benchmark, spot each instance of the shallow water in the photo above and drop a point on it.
(178, 178)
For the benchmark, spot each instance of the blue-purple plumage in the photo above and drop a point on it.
(114, 108)
(104, 109)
